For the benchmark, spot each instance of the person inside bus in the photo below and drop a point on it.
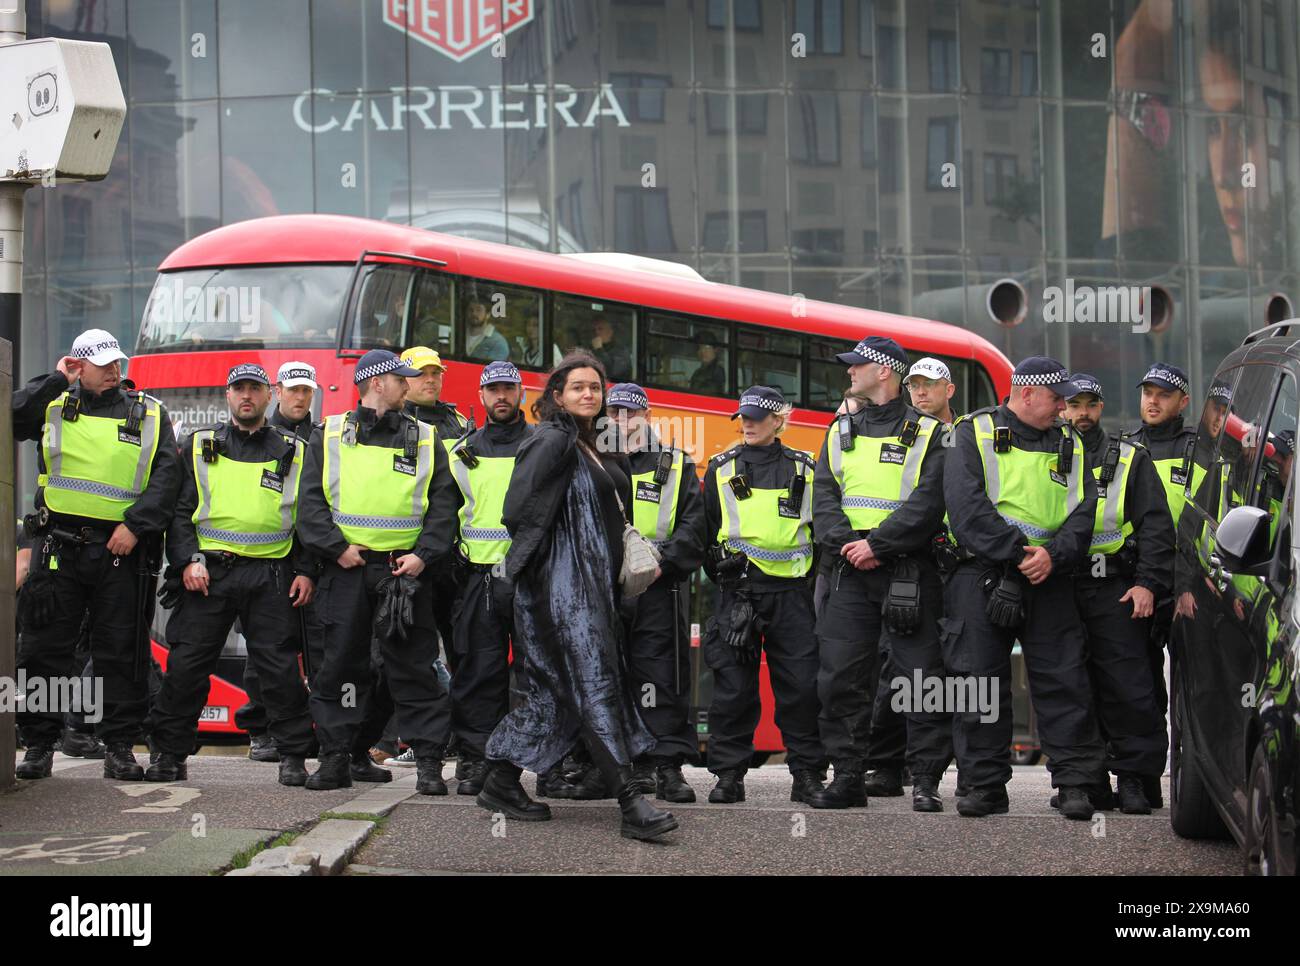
(482, 340)
(528, 347)
(383, 325)
(614, 356)
(710, 377)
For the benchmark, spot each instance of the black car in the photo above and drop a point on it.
(1234, 645)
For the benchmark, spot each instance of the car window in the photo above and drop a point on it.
(381, 308)
(431, 313)
(1204, 481)
(1244, 435)
(1272, 490)
(766, 358)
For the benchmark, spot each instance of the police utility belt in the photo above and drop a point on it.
(42, 524)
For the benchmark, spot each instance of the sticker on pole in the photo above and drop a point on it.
(43, 93)
(458, 29)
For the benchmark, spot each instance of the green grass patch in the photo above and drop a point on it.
(245, 856)
(380, 820)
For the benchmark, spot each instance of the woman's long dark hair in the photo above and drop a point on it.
(545, 406)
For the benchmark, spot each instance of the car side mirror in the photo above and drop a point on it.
(1242, 538)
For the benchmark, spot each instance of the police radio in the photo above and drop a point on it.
(1111, 460)
(411, 443)
(664, 466)
(1065, 455)
(797, 483)
(72, 404)
(907, 435)
(844, 425)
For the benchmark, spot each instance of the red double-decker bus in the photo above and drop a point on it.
(324, 289)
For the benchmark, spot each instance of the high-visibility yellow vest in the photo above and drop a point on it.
(1174, 482)
(1027, 488)
(95, 466)
(654, 505)
(878, 474)
(1111, 528)
(483, 487)
(246, 508)
(377, 496)
(765, 527)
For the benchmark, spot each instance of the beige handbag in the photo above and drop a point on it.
(640, 558)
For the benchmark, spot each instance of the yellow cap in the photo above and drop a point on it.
(419, 356)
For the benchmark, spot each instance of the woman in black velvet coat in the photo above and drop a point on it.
(566, 525)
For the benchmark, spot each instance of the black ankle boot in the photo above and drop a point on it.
(503, 793)
(805, 785)
(38, 762)
(846, 790)
(262, 748)
(925, 794)
(334, 772)
(884, 783)
(475, 773)
(643, 776)
(365, 770)
(79, 745)
(168, 768)
(641, 820)
(293, 771)
(670, 786)
(729, 789)
(120, 763)
(428, 776)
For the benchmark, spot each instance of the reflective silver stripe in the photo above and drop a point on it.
(90, 486)
(758, 553)
(803, 548)
(423, 471)
(733, 507)
(869, 503)
(915, 454)
(1074, 482)
(235, 536)
(664, 522)
(983, 424)
(289, 489)
(376, 523)
(1114, 494)
(1101, 539)
(834, 455)
(1028, 529)
(461, 474)
(148, 440)
(485, 533)
(334, 426)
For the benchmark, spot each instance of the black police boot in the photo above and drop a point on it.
(78, 745)
(805, 785)
(884, 783)
(120, 763)
(729, 789)
(550, 784)
(1103, 799)
(38, 762)
(1153, 790)
(978, 802)
(643, 776)
(845, 791)
(334, 772)
(925, 794)
(1076, 803)
(293, 771)
(365, 770)
(168, 768)
(475, 775)
(503, 793)
(428, 776)
(462, 769)
(262, 748)
(1132, 797)
(591, 786)
(670, 786)
(641, 820)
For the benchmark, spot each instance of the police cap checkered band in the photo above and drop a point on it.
(627, 395)
(296, 374)
(1087, 383)
(97, 346)
(1221, 391)
(247, 372)
(874, 355)
(86, 351)
(1168, 377)
(499, 372)
(1040, 378)
(376, 362)
(762, 402)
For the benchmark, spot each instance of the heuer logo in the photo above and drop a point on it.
(459, 29)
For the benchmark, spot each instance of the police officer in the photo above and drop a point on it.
(108, 479)
(1021, 502)
(295, 386)
(879, 501)
(668, 510)
(1170, 443)
(377, 502)
(481, 464)
(758, 515)
(1129, 566)
(232, 537)
(424, 390)
(929, 383)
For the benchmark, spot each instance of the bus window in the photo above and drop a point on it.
(767, 359)
(431, 316)
(293, 305)
(687, 353)
(381, 308)
(603, 329)
(828, 378)
(497, 319)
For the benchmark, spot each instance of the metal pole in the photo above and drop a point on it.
(13, 28)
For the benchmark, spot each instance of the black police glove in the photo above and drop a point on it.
(1006, 606)
(169, 594)
(501, 595)
(37, 606)
(742, 629)
(902, 610)
(396, 612)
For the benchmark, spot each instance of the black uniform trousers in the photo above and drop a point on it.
(1052, 641)
(791, 648)
(657, 645)
(257, 593)
(887, 737)
(347, 600)
(480, 647)
(99, 587)
(252, 716)
(850, 634)
(1128, 711)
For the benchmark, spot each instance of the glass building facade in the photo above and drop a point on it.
(879, 153)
